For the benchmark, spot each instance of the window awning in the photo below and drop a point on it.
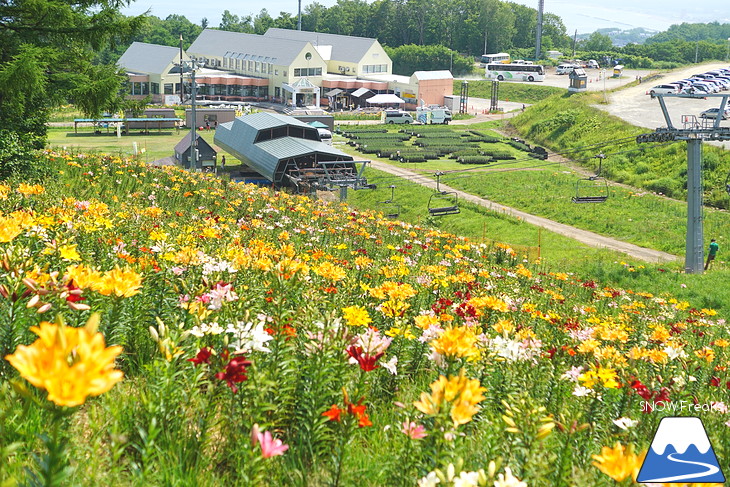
(334, 92)
(360, 92)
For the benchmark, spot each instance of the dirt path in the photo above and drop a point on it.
(589, 238)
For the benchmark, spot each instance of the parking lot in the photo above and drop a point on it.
(636, 107)
(633, 104)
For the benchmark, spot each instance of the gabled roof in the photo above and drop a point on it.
(344, 48)
(219, 43)
(145, 58)
(184, 144)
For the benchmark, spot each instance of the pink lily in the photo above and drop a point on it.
(413, 430)
(270, 447)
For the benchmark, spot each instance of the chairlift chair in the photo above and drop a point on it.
(443, 202)
(390, 207)
(593, 189)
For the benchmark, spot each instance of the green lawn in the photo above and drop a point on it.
(152, 146)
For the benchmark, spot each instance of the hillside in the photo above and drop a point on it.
(354, 350)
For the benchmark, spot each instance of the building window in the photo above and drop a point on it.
(168, 88)
(375, 68)
(257, 67)
(302, 72)
(276, 72)
(277, 91)
(155, 88)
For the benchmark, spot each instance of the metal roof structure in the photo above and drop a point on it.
(385, 99)
(344, 48)
(287, 152)
(428, 75)
(360, 92)
(220, 43)
(145, 58)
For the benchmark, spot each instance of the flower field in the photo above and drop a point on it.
(160, 327)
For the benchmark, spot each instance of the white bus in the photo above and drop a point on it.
(523, 72)
(500, 57)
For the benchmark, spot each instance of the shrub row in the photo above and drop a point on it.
(382, 136)
(485, 137)
(501, 155)
(474, 159)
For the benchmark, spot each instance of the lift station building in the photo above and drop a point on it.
(288, 152)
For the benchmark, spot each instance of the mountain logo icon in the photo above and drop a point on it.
(680, 452)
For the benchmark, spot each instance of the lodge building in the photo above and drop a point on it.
(282, 66)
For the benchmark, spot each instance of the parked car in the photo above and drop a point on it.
(707, 87)
(566, 68)
(667, 89)
(712, 113)
(592, 63)
(696, 90)
(398, 116)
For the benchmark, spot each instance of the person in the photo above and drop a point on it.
(714, 247)
(223, 161)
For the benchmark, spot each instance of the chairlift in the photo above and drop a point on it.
(593, 189)
(390, 207)
(443, 202)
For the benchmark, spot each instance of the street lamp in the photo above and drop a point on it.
(193, 66)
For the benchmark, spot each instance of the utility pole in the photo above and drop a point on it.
(694, 134)
(299, 21)
(182, 85)
(538, 39)
(193, 119)
(575, 41)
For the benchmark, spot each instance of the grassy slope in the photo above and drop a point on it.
(545, 192)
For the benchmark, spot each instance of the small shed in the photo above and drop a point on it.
(578, 80)
(207, 156)
(210, 118)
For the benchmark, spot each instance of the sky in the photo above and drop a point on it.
(585, 16)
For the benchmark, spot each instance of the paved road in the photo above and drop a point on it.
(583, 236)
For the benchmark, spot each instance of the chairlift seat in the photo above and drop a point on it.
(449, 201)
(580, 190)
(444, 210)
(589, 199)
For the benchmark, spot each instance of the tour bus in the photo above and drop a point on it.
(523, 72)
(500, 57)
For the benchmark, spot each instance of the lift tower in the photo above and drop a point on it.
(694, 132)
